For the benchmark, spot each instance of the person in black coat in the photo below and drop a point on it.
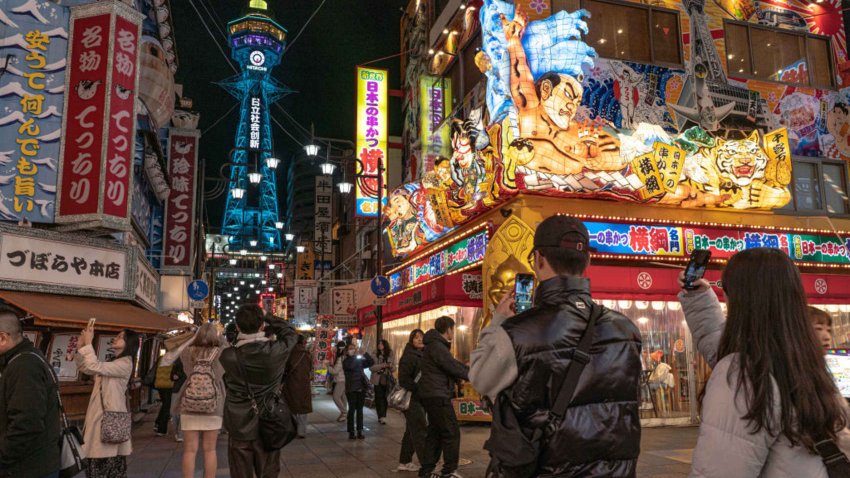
(356, 385)
(440, 374)
(29, 406)
(416, 431)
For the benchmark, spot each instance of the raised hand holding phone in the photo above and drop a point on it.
(523, 290)
(695, 269)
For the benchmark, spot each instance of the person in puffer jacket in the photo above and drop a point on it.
(356, 386)
(522, 361)
(770, 397)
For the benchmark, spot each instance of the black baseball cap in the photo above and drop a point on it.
(562, 231)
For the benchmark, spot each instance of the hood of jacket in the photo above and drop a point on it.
(433, 336)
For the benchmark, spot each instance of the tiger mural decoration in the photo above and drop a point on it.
(733, 173)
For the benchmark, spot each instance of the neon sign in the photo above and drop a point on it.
(254, 142)
(371, 138)
(468, 251)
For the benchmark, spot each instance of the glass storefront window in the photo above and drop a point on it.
(834, 182)
(806, 186)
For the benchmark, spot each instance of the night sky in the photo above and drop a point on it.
(319, 68)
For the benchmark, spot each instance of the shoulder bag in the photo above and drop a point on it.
(399, 398)
(115, 427)
(837, 464)
(277, 426)
(514, 454)
(71, 453)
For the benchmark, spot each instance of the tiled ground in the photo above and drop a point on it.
(327, 452)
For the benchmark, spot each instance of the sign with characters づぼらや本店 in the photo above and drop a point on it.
(32, 100)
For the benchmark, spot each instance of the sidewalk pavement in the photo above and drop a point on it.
(327, 452)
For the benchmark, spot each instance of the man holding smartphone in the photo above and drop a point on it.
(523, 360)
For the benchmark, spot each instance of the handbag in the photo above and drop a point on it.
(514, 454)
(399, 398)
(837, 464)
(71, 452)
(277, 426)
(115, 427)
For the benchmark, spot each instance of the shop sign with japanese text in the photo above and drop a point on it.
(33, 263)
(178, 232)
(95, 174)
(663, 240)
(465, 252)
(31, 107)
(371, 147)
(324, 210)
(435, 106)
(147, 282)
(255, 122)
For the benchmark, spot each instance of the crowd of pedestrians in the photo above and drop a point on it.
(561, 380)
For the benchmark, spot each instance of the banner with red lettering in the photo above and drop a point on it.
(178, 232)
(98, 128)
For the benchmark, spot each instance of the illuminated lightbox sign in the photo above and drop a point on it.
(256, 60)
(463, 253)
(679, 241)
(371, 139)
(435, 104)
(254, 139)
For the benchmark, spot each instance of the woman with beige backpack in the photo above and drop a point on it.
(201, 400)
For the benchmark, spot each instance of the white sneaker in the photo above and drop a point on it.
(453, 475)
(382, 421)
(407, 467)
(178, 438)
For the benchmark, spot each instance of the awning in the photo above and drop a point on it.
(71, 311)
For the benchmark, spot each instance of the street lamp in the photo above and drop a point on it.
(255, 178)
(289, 237)
(263, 258)
(243, 252)
(232, 262)
(278, 225)
(312, 150)
(271, 267)
(299, 248)
(237, 193)
(272, 163)
(253, 243)
(327, 168)
(345, 187)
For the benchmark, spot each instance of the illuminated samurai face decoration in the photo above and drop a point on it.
(561, 97)
(443, 170)
(503, 279)
(399, 206)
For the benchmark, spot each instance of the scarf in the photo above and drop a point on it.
(243, 339)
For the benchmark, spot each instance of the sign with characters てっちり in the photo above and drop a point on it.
(178, 233)
(560, 121)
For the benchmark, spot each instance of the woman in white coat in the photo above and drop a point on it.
(770, 398)
(338, 375)
(105, 460)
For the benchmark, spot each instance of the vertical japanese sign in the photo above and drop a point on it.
(322, 234)
(434, 106)
(371, 143)
(33, 50)
(255, 139)
(304, 264)
(98, 131)
(178, 241)
(306, 295)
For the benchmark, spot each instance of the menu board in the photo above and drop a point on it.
(838, 363)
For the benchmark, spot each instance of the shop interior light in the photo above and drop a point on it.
(624, 304)
(232, 262)
(272, 163)
(253, 243)
(312, 150)
(278, 225)
(299, 248)
(658, 305)
(255, 178)
(673, 305)
(641, 304)
(643, 320)
(345, 187)
(237, 193)
(327, 168)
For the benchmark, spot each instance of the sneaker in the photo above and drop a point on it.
(453, 474)
(178, 438)
(360, 436)
(382, 421)
(407, 467)
(351, 436)
(159, 433)
(342, 417)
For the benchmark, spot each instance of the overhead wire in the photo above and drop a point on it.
(207, 28)
(219, 120)
(304, 27)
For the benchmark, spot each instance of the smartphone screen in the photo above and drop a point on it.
(696, 267)
(523, 290)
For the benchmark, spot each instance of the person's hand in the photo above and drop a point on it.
(701, 285)
(86, 336)
(506, 306)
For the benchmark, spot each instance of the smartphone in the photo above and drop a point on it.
(91, 322)
(696, 267)
(523, 290)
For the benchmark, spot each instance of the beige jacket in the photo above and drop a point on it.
(726, 447)
(114, 376)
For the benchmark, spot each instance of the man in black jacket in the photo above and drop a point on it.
(440, 374)
(262, 346)
(526, 358)
(29, 408)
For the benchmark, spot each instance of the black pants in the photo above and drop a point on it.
(250, 458)
(381, 392)
(415, 433)
(356, 401)
(161, 424)
(443, 436)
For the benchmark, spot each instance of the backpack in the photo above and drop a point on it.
(200, 396)
(163, 380)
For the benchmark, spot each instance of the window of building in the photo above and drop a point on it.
(819, 186)
(771, 54)
(634, 32)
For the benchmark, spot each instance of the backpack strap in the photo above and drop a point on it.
(581, 357)
(837, 464)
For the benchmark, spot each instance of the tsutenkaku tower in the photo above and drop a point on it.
(257, 42)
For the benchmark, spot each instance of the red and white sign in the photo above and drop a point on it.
(178, 238)
(98, 127)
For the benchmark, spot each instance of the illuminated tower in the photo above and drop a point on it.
(251, 213)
